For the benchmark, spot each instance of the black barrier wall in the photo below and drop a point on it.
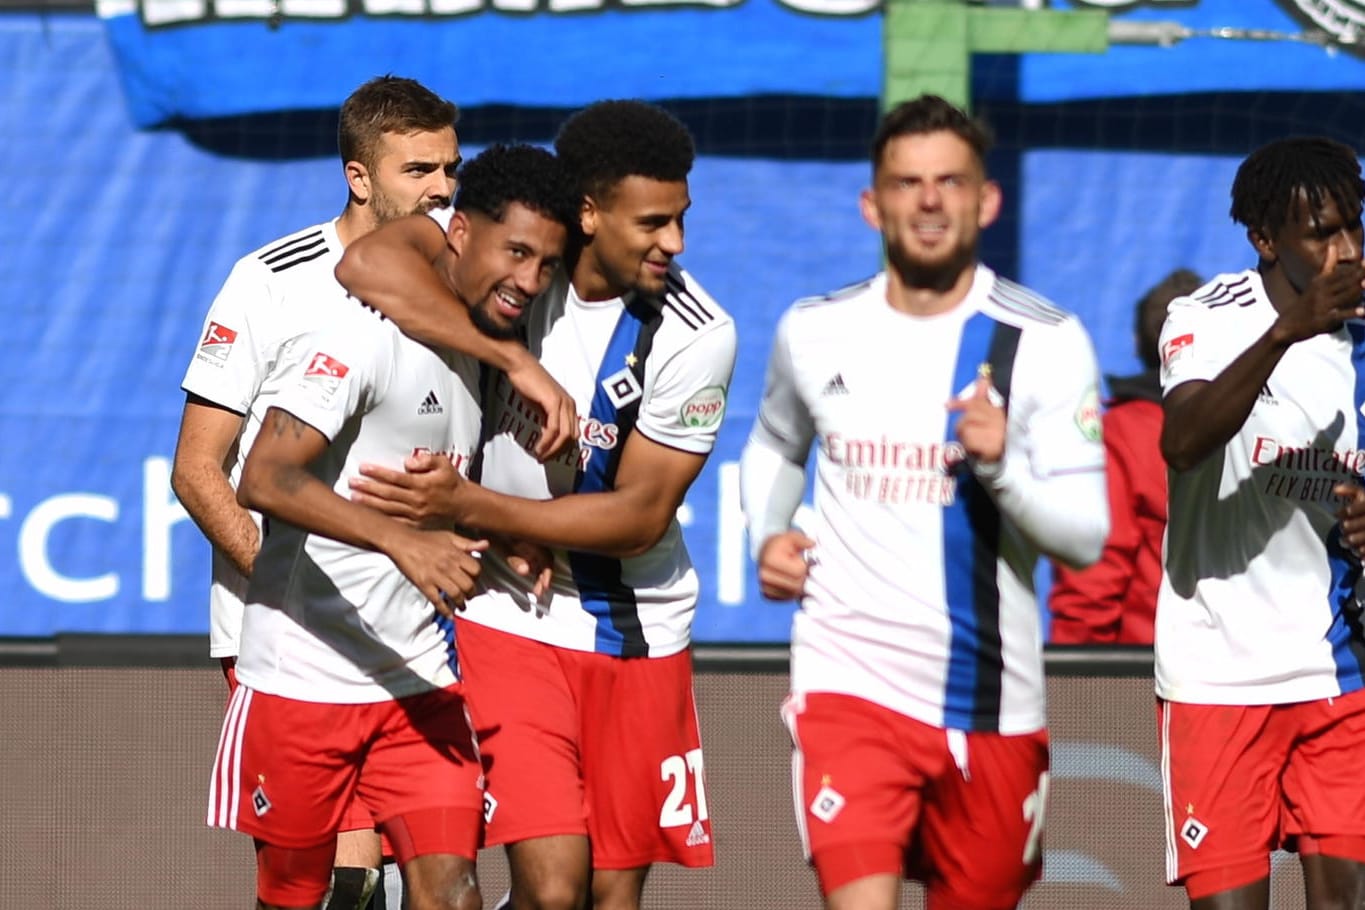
(103, 774)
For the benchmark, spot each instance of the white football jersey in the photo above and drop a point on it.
(920, 588)
(660, 367)
(326, 621)
(272, 295)
(1257, 603)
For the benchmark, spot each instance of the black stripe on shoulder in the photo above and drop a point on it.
(285, 247)
(1019, 300)
(684, 304)
(1239, 293)
(843, 293)
(299, 260)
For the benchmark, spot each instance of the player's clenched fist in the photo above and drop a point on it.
(783, 564)
(442, 564)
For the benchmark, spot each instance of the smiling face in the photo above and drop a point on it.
(631, 237)
(930, 200)
(500, 266)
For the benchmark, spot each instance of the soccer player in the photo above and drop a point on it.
(1114, 601)
(399, 153)
(348, 676)
(594, 757)
(958, 431)
(1259, 650)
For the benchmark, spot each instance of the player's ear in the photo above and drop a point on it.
(991, 200)
(457, 232)
(867, 204)
(588, 214)
(1264, 246)
(358, 180)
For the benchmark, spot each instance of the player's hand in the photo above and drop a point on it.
(442, 564)
(531, 561)
(1351, 516)
(783, 564)
(981, 428)
(426, 493)
(1332, 297)
(556, 408)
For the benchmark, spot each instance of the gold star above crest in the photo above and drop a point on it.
(631, 360)
(1189, 809)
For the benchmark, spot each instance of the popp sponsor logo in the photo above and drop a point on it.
(704, 409)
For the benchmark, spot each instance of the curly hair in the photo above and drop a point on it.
(608, 141)
(389, 104)
(1270, 179)
(930, 114)
(504, 174)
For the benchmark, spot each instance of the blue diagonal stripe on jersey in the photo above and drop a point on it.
(971, 537)
(598, 578)
(1345, 633)
(447, 629)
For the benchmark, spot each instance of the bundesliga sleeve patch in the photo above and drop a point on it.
(324, 374)
(1172, 349)
(704, 409)
(216, 344)
(1088, 415)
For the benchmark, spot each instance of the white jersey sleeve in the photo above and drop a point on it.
(1057, 499)
(772, 468)
(341, 371)
(1189, 350)
(230, 363)
(685, 404)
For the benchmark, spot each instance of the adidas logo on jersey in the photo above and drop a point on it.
(835, 386)
(430, 405)
(697, 837)
(1265, 396)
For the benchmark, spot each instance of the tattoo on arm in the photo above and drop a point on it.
(286, 422)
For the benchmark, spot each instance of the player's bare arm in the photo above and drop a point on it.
(276, 482)
(391, 270)
(208, 434)
(651, 481)
(1200, 417)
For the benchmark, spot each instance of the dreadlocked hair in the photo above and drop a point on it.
(608, 141)
(1269, 180)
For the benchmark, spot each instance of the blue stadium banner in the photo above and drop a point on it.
(215, 58)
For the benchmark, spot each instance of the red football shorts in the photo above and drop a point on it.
(575, 742)
(1241, 781)
(879, 793)
(286, 771)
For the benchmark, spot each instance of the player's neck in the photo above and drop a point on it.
(591, 284)
(1278, 290)
(917, 297)
(355, 222)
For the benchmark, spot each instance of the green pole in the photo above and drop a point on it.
(928, 44)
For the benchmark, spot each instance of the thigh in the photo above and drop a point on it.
(1324, 789)
(528, 735)
(285, 770)
(422, 778)
(643, 773)
(859, 772)
(1221, 767)
(980, 837)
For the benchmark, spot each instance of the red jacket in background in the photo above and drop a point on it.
(1114, 601)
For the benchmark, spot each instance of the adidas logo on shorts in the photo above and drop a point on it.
(697, 837)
